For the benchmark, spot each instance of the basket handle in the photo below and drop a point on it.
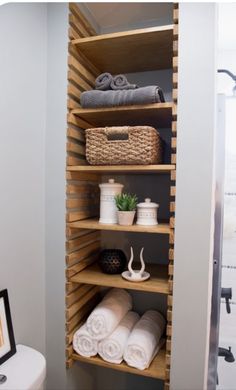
(117, 134)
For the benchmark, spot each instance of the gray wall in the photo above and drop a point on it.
(22, 125)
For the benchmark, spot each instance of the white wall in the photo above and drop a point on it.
(22, 126)
(194, 206)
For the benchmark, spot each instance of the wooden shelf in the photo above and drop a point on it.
(157, 283)
(156, 369)
(120, 169)
(130, 51)
(161, 228)
(156, 114)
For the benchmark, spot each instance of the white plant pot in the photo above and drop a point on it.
(125, 217)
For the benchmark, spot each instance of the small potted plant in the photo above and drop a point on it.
(126, 205)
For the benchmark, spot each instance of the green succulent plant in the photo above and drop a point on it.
(126, 202)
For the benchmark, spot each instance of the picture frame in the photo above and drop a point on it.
(7, 339)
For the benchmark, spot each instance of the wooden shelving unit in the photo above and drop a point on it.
(158, 281)
(123, 169)
(156, 369)
(156, 114)
(161, 228)
(130, 51)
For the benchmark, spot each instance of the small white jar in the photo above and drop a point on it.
(147, 213)
(108, 209)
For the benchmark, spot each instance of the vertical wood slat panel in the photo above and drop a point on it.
(80, 299)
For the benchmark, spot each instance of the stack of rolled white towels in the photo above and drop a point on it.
(115, 332)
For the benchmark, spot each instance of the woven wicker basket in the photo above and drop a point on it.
(126, 145)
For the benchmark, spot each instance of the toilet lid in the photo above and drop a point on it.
(26, 370)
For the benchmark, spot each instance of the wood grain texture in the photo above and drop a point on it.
(156, 114)
(157, 369)
(130, 51)
(101, 169)
(94, 224)
(158, 281)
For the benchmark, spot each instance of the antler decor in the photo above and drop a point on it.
(136, 275)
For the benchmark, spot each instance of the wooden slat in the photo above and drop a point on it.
(77, 294)
(70, 287)
(75, 148)
(174, 127)
(172, 207)
(75, 233)
(175, 79)
(69, 335)
(78, 81)
(172, 190)
(175, 48)
(79, 242)
(77, 121)
(74, 93)
(171, 237)
(171, 254)
(175, 94)
(73, 309)
(71, 271)
(81, 70)
(176, 31)
(173, 176)
(80, 189)
(74, 9)
(76, 134)
(84, 311)
(169, 315)
(80, 215)
(78, 27)
(81, 175)
(173, 142)
(69, 363)
(69, 351)
(173, 158)
(172, 222)
(72, 104)
(87, 251)
(71, 160)
(175, 64)
(78, 202)
(83, 60)
(171, 269)
(170, 300)
(72, 33)
(176, 15)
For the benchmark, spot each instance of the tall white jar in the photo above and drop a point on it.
(147, 213)
(108, 210)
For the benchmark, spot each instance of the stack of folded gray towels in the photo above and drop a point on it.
(112, 91)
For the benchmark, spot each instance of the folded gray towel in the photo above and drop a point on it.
(103, 81)
(144, 95)
(120, 82)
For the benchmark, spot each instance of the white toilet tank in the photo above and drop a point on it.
(26, 370)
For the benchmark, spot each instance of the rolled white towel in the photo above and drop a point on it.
(111, 349)
(83, 343)
(108, 313)
(144, 340)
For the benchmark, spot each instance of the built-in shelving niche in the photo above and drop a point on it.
(148, 50)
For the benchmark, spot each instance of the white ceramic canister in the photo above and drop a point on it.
(108, 209)
(147, 213)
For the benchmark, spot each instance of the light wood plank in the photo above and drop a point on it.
(156, 114)
(157, 369)
(130, 51)
(158, 281)
(162, 228)
(164, 168)
(81, 19)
